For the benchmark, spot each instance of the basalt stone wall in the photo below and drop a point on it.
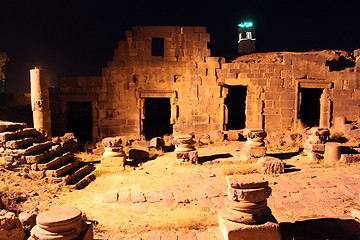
(274, 82)
(175, 63)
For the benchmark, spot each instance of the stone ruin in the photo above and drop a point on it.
(43, 158)
(245, 214)
(163, 80)
(62, 223)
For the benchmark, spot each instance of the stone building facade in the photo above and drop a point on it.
(163, 80)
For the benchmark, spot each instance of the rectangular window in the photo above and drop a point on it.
(157, 47)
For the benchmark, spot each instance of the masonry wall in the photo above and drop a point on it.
(197, 85)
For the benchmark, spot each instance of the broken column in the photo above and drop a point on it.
(63, 223)
(40, 103)
(184, 149)
(314, 141)
(245, 214)
(332, 152)
(254, 147)
(114, 155)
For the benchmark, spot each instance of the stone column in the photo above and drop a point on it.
(185, 150)
(245, 214)
(114, 155)
(62, 223)
(332, 152)
(314, 140)
(254, 146)
(40, 102)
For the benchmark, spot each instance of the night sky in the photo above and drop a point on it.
(78, 38)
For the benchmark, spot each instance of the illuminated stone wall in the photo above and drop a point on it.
(197, 85)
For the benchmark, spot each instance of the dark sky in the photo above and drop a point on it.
(77, 38)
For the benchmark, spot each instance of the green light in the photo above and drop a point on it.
(245, 24)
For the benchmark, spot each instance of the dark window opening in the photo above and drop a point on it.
(310, 106)
(80, 121)
(157, 47)
(236, 104)
(157, 118)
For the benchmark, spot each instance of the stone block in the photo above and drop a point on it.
(239, 231)
(217, 135)
(157, 142)
(271, 165)
(193, 156)
(138, 154)
(113, 161)
(232, 135)
(254, 151)
(349, 158)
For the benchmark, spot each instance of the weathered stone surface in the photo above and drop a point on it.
(113, 161)
(251, 195)
(112, 142)
(245, 214)
(157, 142)
(332, 152)
(193, 156)
(349, 158)
(28, 219)
(63, 223)
(138, 154)
(10, 226)
(232, 135)
(238, 231)
(271, 165)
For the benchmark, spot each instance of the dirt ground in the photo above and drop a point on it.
(117, 220)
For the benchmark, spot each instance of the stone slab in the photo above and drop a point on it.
(239, 231)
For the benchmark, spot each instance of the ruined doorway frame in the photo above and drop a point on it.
(244, 88)
(143, 94)
(325, 101)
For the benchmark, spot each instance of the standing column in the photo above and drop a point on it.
(40, 103)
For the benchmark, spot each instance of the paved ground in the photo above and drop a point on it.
(310, 202)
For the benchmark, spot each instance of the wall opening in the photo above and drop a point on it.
(310, 106)
(157, 47)
(236, 105)
(80, 120)
(157, 118)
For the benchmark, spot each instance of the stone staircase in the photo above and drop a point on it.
(28, 149)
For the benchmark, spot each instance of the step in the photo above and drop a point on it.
(62, 170)
(6, 126)
(79, 174)
(55, 162)
(35, 148)
(42, 157)
(85, 181)
(20, 143)
(23, 133)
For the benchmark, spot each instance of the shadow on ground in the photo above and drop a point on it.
(213, 157)
(285, 155)
(321, 229)
(288, 168)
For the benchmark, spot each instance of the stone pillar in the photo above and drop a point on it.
(245, 214)
(254, 147)
(62, 223)
(40, 102)
(114, 155)
(332, 152)
(184, 149)
(314, 141)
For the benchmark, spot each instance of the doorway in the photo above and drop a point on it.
(310, 106)
(236, 105)
(80, 120)
(157, 118)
